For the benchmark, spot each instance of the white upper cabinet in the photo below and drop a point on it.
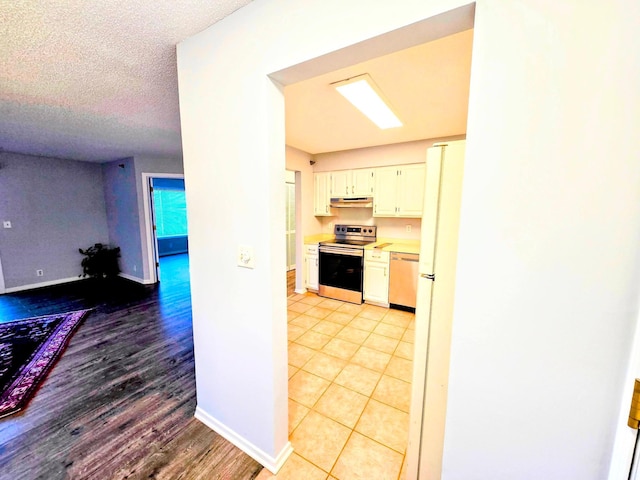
(322, 194)
(399, 191)
(411, 183)
(362, 182)
(385, 192)
(341, 183)
(352, 183)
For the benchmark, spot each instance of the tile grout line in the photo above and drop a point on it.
(348, 362)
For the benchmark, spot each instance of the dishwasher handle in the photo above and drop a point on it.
(404, 257)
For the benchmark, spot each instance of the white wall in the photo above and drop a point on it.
(548, 268)
(149, 165)
(55, 206)
(547, 293)
(124, 195)
(380, 156)
(122, 214)
(233, 144)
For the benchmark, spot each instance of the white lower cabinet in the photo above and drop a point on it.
(311, 274)
(376, 277)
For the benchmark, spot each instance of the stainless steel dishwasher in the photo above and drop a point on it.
(403, 280)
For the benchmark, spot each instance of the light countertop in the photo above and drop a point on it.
(400, 245)
(318, 237)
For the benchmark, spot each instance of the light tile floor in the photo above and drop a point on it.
(349, 390)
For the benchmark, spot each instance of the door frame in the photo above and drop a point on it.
(293, 74)
(2, 286)
(151, 239)
(625, 436)
(295, 219)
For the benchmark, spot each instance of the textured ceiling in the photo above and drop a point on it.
(95, 79)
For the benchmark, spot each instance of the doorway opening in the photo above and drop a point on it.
(290, 229)
(305, 308)
(165, 219)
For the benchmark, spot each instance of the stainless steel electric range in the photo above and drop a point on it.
(342, 262)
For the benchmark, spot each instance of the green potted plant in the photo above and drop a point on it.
(100, 261)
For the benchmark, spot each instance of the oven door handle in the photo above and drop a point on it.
(353, 252)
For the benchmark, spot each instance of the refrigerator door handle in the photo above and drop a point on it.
(429, 276)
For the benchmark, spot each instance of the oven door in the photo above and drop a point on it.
(341, 273)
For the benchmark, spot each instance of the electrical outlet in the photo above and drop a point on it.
(408, 228)
(40, 273)
(6, 224)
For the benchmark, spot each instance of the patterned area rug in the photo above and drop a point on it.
(28, 350)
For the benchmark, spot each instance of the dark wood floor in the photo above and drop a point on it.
(120, 401)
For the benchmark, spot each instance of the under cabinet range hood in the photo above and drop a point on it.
(351, 202)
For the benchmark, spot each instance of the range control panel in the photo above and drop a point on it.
(352, 231)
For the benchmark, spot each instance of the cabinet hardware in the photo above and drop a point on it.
(428, 276)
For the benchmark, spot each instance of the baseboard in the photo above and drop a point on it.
(300, 291)
(143, 281)
(377, 304)
(50, 283)
(270, 463)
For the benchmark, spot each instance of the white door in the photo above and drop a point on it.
(434, 312)
(290, 224)
(423, 312)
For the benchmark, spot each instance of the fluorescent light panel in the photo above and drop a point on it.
(363, 93)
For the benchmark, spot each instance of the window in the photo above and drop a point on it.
(170, 207)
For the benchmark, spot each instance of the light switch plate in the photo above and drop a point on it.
(246, 257)
(6, 224)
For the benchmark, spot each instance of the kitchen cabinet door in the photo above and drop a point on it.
(411, 181)
(362, 182)
(311, 275)
(384, 192)
(376, 278)
(341, 183)
(322, 194)
(399, 191)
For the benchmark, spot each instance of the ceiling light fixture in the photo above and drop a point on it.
(365, 95)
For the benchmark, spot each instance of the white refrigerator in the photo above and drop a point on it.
(434, 310)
